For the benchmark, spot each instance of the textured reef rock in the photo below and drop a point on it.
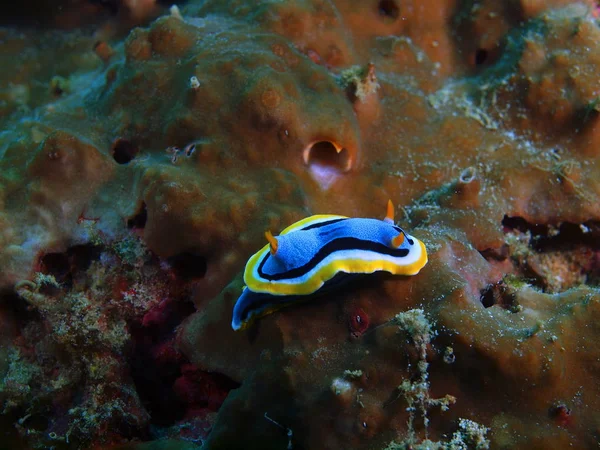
(139, 168)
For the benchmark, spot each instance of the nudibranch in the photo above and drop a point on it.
(319, 253)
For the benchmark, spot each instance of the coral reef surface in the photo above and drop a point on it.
(146, 147)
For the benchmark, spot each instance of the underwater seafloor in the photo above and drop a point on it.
(145, 148)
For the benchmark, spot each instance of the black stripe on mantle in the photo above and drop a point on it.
(347, 243)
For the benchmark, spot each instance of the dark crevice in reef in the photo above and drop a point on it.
(388, 9)
(481, 56)
(15, 310)
(10, 434)
(139, 219)
(486, 57)
(67, 267)
(499, 294)
(124, 151)
(171, 388)
(188, 266)
(561, 237)
(552, 258)
(155, 362)
(154, 385)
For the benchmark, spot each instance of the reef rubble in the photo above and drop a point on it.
(146, 147)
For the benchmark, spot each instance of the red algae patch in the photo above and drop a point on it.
(140, 168)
